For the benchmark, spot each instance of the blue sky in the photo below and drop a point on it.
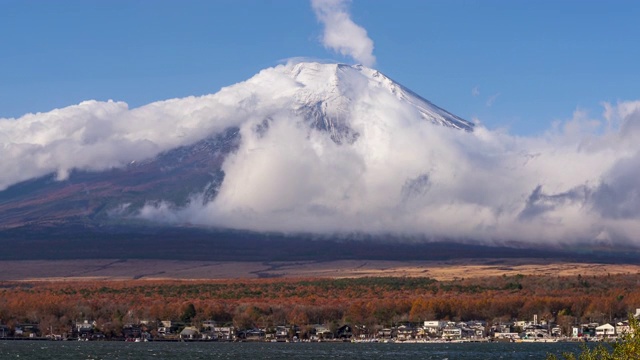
(530, 62)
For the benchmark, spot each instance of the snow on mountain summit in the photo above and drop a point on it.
(330, 96)
(333, 87)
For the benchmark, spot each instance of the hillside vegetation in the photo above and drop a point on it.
(368, 301)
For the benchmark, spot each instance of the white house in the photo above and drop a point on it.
(434, 324)
(521, 324)
(433, 327)
(404, 332)
(452, 333)
(85, 325)
(224, 333)
(606, 330)
(189, 332)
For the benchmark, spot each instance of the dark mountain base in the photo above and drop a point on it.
(171, 243)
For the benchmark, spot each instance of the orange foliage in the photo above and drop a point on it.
(369, 301)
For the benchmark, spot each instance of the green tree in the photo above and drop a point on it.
(627, 347)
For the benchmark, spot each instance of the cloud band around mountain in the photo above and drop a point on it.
(400, 175)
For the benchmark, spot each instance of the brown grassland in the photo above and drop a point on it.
(66, 270)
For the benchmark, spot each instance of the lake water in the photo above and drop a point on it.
(68, 350)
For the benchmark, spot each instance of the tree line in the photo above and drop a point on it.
(374, 301)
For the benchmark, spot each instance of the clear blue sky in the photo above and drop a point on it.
(532, 62)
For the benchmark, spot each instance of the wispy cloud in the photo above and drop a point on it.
(341, 34)
(492, 99)
(475, 91)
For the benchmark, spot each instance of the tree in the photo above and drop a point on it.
(626, 348)
(189, 313)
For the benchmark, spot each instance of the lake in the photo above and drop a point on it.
(109, 350)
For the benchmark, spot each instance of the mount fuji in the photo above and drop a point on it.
(319, 101)
(300, 151)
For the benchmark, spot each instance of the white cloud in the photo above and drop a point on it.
(341, 34)
(577, 182)
(475, 91)
(406, 176)
(96, 135)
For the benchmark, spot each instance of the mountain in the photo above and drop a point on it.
(324, 97)
(300, 152)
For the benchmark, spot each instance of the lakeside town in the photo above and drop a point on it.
(533, 330)
(383, 309)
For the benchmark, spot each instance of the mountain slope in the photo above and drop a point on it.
(111, 195)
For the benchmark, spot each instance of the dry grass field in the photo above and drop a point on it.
(68, 270)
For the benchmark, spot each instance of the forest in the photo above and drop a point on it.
(371, 302)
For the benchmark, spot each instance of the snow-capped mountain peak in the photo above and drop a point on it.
(329, 95)
(336, 86)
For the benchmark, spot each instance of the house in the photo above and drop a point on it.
(475, 329)
(208, 330)
(27, 330)
(605, 331)
(535, 332)
(224, 333)
(421, 333)
(362, 331)
(623, 327)
(322, 332)
(189, 332)
(344, 332)
(167, 328)
(521, 324)
(253, 335)
(166, 323)
(282, 333)
(132, 331)
(466, 331)
(451, 332)
(433, 328)
(500, 328)
(386, 333)
(405, 332)
(84, 329)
